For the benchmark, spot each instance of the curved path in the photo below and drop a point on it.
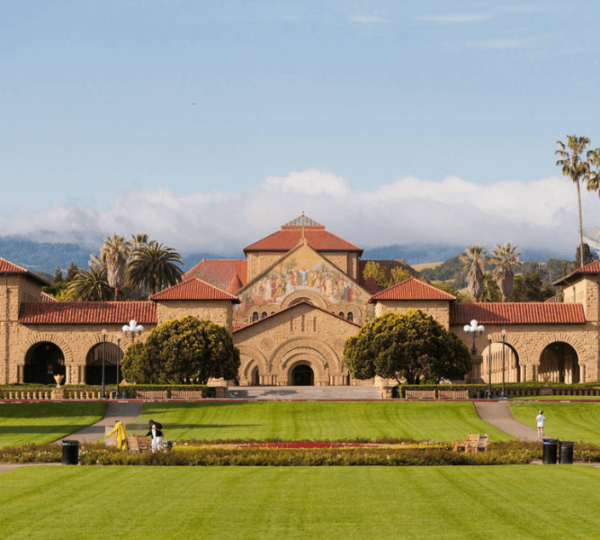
(126, 412)
(498, 414)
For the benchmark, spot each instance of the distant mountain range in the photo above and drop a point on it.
(45, 256)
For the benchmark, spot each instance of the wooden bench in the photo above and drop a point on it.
(152, 394)
(473, 443)
(419, 394)
(138, 444)
(190, 394)
(453, 394)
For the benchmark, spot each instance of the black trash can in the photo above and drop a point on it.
(566, 452)
(550, 456)
(479, 394)
(70, 454)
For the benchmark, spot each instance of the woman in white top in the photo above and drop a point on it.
(540, 419)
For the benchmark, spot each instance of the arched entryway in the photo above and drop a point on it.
(42, 362)
(93, 368)
(512, 366)
(559, 363)
(303, 375)
(255, 377)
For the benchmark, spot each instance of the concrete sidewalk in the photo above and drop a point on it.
(126, 412)
(498, 414)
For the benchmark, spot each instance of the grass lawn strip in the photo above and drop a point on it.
(274, 503)
(40, 423)
(565, 421)
(317, 420)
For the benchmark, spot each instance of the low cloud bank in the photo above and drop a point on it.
(539, 215)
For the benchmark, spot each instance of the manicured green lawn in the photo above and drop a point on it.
(565, 421)
(317, 420)
(495, 502)
(23, 423)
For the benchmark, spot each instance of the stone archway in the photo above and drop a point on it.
(559, 363)
(43, 361)
(112, 363)
(251, 359)
(309, 296)
(512, 364)
(301, 374)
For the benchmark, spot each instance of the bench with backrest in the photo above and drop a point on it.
(186, 394)
(473, 443)
(152, 394)
(453, 394)
(138, 444)
(419, 394)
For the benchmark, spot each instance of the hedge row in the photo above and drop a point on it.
(130, 390)
(510, 453)
(512, 389)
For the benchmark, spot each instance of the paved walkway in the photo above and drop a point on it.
(126, 412)
(498, 414)
(306, 393)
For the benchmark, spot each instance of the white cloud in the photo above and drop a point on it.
(540, 214)
(454, 18)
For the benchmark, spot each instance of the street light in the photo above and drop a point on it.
(489, 366)
(132, 328)
(503, 396)
(118, 358)
(104, 333)
(476, 329)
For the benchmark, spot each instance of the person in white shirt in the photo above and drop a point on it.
(539, 420)
(156, 434)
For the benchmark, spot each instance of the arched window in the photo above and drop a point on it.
(350, 316)
(263, 315)
(341, 314)
(255, 316)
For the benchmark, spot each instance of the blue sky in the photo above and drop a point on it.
(209, 105)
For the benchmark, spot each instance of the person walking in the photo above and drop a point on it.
(156, 434)
(121, 432)
(539, 420)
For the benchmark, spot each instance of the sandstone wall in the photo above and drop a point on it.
(438, 309)
(217, 311)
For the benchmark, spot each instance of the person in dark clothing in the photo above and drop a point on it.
(156, 434)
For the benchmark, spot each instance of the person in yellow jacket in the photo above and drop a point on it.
(121, 432)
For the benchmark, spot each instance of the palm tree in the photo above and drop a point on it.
(116, 250)
(90, 286)
(503, 257)
(577, 169)
(139, 240)
(474, 260)
(593, 181)
(154, 266)
(97, 261)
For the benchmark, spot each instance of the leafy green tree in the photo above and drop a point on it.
(504, 257)
(384, 276)
(474, 262)
(529, 287)
(90, 286)
(58, 276)
(116, 250)
(491, 291)
(72, 272)
(573, 165)
(588, 256)
(154, 267)
(183, 351)
(412, 346)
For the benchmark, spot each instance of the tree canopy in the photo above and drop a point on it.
(182, 351)
(412, 346)
(385, 276)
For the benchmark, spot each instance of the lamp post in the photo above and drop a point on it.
(503, 396)
(489, 392)
(104, 333)
(132, 328)
(118, 358)
(476, 329)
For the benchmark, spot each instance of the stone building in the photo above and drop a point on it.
(290, 304)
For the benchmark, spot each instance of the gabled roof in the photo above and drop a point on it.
(6, 267)
(194, 289)
(48, 298)
(412, 289)
(516, 313)
(219, 272)
(303, 227)
(87, 312)
(235, 285)
(592, 268)
(289, 308)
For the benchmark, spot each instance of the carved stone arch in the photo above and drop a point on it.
(346, 307)
(41, 337)
(251, 357)
(96, 338)
(307, 357)
(321, 350)
(310, 296)
(553, 337)
(512, 340)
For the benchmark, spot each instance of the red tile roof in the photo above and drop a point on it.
(87, 312)
(370, 285)
(592, 268)
(6, 267)
(412, 289)
(294, 306)
(235, 285)
(516, 313)
(317, 237)
(194, 289)
(219, 272)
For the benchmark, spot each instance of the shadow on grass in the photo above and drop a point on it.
(35, 430)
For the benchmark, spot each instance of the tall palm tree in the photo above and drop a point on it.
(474, 259)
(97, 261)
(577, 168)
(139, 240)
(90, 286)
(504, 257)
(116, 249)
(154, 266)
(593, 181)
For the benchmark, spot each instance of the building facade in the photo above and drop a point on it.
(290, 304)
